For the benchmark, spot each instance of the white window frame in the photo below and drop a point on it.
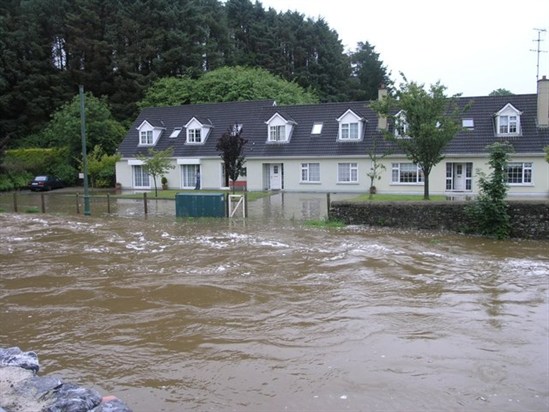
(397, 170)
(277, 133)
(310, 173)
(146, 138)
(140, 178)
(349, 131)
(347, 173)
(508, 121)
(194, 135)
(526, 173)
(401, 125)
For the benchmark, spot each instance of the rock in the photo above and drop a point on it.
(21, 390)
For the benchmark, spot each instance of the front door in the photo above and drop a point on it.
(275, 173)
(459, 177)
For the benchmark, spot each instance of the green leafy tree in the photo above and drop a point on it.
(231, 145)
(500, 92)
(489, 211)
(226, 84)
(547, 153)
(64, 129)
(102, 167)
(156, 164)
(431, 122)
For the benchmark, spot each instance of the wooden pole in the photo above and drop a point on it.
(43, 202)
(108, 204)
(77, 204)
(15, 202)
(328, 204)
(145, 203)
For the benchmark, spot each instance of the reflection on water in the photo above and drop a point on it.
(208, 314)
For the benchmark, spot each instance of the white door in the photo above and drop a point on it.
(459, 178)
(275, 173)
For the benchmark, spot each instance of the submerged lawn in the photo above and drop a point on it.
(396, 198)
(170, 194)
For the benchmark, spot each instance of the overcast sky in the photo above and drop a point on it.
(472, 46)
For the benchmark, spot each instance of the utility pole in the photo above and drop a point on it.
(538, 50)
(87, 211)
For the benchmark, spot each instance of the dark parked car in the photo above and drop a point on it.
(45, 183)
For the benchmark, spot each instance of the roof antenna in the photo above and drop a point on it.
(538, 51)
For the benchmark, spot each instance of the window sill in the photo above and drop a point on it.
(310, 183)
(347, 183)
(406, 184)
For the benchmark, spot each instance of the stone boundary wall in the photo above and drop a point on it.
(529, 219)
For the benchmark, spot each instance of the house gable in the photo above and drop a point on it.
(279, 129)
(148, 134)
(351, 127)
(507, 121)
(197, 131)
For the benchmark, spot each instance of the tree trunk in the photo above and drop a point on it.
(426, 186)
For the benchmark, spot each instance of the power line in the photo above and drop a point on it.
(538, 50)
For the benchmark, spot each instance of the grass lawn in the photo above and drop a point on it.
(170, 194)
(396, 198)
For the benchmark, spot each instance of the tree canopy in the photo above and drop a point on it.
(426, 121)
(226, 84)
(157, 163)
(116, 50)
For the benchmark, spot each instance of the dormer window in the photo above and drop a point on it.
(508, 121)
(280, 129)
(350, 126)
(193, 136)
(148, 134)
(146, 137)
(277, 133)
(197, 131)
(401, 125)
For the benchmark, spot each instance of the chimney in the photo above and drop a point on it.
(543, 102)
(381, 120)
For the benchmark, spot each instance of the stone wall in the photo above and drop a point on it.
(529, 219)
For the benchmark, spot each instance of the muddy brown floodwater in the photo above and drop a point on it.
(273, 315)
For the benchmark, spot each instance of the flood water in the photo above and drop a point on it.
(274, 315)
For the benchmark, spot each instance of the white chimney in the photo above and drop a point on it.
(543, 102)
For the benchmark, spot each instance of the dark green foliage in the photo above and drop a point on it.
(231, 147)
(368, 73)
(489, 210)
(117, 49)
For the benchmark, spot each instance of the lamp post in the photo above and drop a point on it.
(87, 211)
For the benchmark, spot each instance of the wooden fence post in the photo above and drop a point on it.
(108, 204)
(145, 203)
(77, 204)
(43, 202)
(15, 202)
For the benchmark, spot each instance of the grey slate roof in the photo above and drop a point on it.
(253, 115)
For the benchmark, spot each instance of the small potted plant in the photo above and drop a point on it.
(164, 183)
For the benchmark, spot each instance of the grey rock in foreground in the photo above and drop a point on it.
(22, 390)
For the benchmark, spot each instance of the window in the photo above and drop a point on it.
(468, 123)
(194, 136)
(317, 128)
(401, 125)
(175, 132)
(508, 124)
(406, 173)
(140, 177)
(519, 173)
(508, 121)
(310, 172)
(189, 175)
(277, 133)
(146, 137)
(349, 131)
(347, 172)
